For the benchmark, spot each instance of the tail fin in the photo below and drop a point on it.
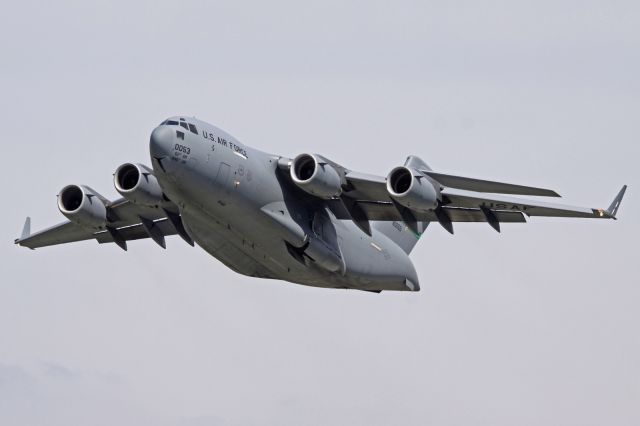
(399, 232)
(416, 162)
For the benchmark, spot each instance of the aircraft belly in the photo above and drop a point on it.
(376, 262)
(217, 240)
(229, 223)
(251, 246)
(244, 249)
(257, 254)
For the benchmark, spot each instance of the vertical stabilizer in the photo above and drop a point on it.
(400, 233)
(416, 162)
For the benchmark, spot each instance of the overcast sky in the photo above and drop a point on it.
(537, 325)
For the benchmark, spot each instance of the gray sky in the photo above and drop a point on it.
(537, 325)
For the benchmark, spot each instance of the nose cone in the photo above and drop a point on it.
(160, 143)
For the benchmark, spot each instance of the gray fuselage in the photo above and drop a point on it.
(239, 206)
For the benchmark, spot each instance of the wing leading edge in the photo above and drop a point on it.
(479, 185)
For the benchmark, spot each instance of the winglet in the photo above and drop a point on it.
(26, 230)
(613, 208)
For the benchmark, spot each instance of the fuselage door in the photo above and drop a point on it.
(325, 230)
(221, 184)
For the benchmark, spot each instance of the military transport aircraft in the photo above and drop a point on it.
(306, 220)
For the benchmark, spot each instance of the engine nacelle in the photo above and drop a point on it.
(138, 184)
(412, 189)
(82, 205)
(316, 176)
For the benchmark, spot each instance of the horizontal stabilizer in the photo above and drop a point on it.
(479, 185)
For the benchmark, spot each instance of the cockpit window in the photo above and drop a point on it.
(182, 123)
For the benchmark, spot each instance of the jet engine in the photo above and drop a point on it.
(137, 184)
(315, 176)
(412, 189)
(82, 205)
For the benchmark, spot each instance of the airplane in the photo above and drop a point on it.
(305, 220)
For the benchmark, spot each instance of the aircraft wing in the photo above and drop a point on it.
(480, 185)
(365, 198)
(127, 221)
(388, 211)
(361, 185)
(467, 199)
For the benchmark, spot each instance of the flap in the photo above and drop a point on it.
(465, 199)
(387, 211)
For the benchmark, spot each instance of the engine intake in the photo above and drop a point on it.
(316, 176)
(82, 205)
(412, 189)
(137, 184)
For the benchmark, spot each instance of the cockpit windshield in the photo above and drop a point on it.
(182, 123)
